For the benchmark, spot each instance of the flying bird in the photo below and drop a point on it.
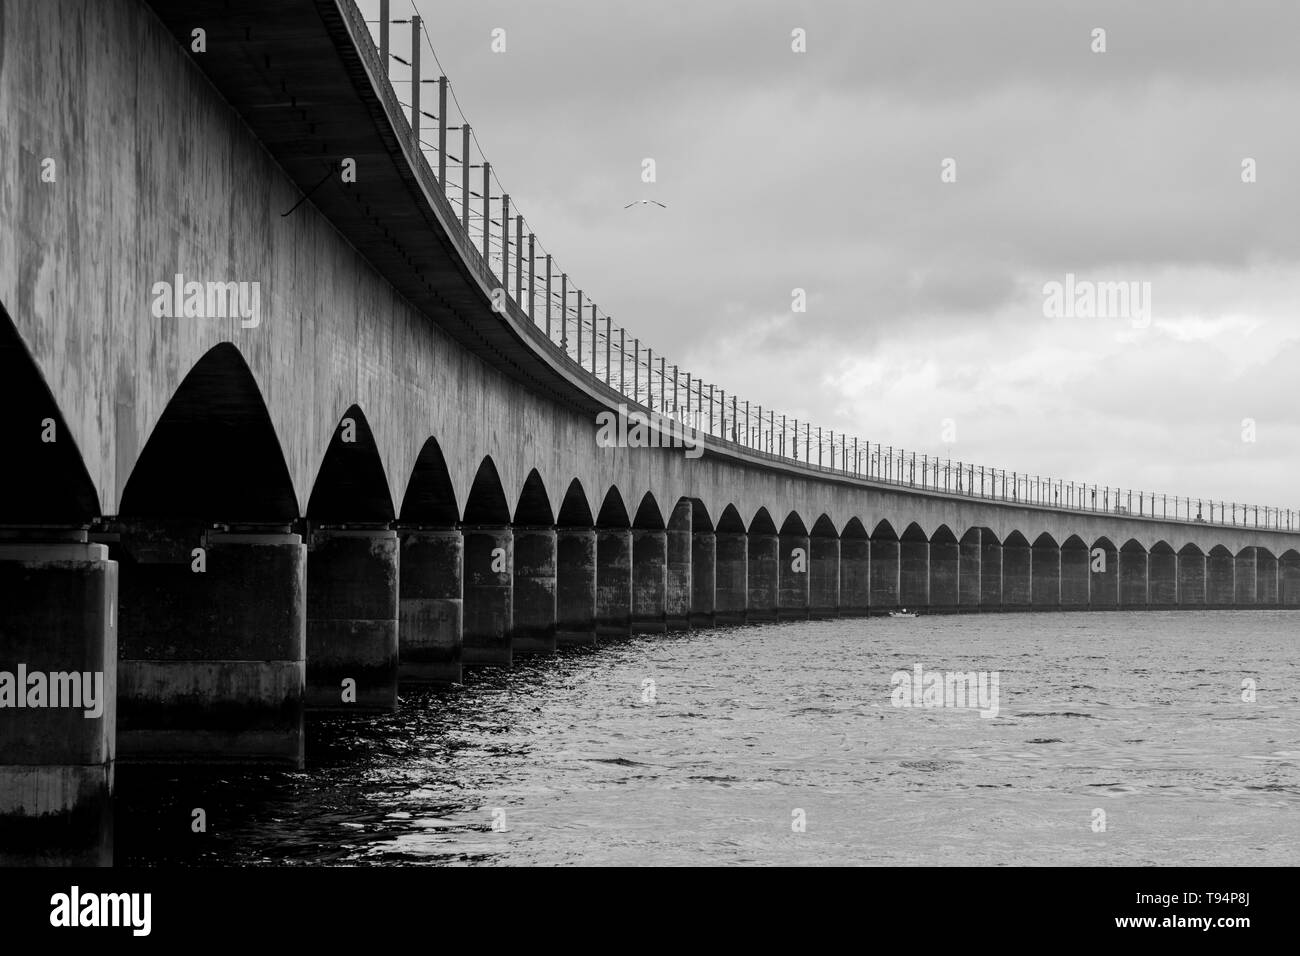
(643, 202)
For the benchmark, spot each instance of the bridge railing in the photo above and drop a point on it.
(494, 238)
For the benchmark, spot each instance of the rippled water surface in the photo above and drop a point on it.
(1136, 714)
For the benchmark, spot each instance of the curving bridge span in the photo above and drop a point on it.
(236, 518)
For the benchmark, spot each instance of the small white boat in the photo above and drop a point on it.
(902, 612)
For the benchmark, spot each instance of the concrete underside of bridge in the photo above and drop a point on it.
(382, 479)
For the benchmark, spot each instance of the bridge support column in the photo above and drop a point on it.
(1046, 576)
(352, 611)
(945, 574)
(680, 547)
(855, 576)
(1074, 577)
(649, 581)
(1017, 576)
(990, 571)
(1220, 578)
(884, 573)
(533, 617)
(704, 546)
(913, 573)
(212, 663)
(1162, 579)
(732, 577)
(489, 594)
(1246, 577)
(1191, 577)
(613, 582)
(1103, 576)
(575, 597)
(969, 570)
(824, 576)
(432, 606)
(1288, 579)
(794, 578)
(58, 616)
(1132, 577)
(1265, 578)
(764, 576)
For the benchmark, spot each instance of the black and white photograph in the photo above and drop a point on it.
(492, 434)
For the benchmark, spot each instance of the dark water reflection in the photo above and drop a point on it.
(1136, 714)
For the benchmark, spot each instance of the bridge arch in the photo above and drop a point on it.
(350, 485)
(430, 498)
(213, 455)
(534, 505)
(44, 479)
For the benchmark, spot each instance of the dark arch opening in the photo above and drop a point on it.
(613, 513)
(854, 529)
(682, 518)
(730, 522)
(1219, 551)
(1162, 547)
(972, 536)
(1131, 546)
(1016, 540)
(793, 525)
(430, 498)
(41, 481)
(884, 532)
(487, 503)
(943, 535)
(1073, 543)
(1191, 549)
(1291, 555)
(534, 507)
(825, 528)
(213, 454)
(350, 485)
(1104, 543)
(648, 515)
(1044, 540)
(762, 523)
(575, 511)
(913, 532)
(700, 520)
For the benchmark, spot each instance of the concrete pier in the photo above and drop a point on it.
(58, 616)
(1220, 578)
(212, 662)
(704, 582)
(1103, 575)
(1162, 577)
(1132, 576)
(884, 569)
(855, 574)
(1045, 574)
(680, 527)
(945, 570)
(649, 581)
(990, 571)
(1191, 577)
(1246, 577)
(1017, 573)
(824, 576)
(763, 576)
(352, 615)
(432, 605)
(913, 568)
(1075, 576)
(794, 572)
(613, 582)
(533, 622)
(489, 595)
(576, 586)
(732, 577)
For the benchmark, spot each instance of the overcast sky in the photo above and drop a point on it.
(821, 171)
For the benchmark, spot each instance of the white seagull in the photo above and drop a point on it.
(643, 202)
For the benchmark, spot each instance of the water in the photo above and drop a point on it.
(1136, 714)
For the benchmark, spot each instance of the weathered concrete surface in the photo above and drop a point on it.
(431, 590)
(158, 176)
(575, 586)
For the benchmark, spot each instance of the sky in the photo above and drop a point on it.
(925, 323)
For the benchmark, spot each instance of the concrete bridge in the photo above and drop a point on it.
(375, 473)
